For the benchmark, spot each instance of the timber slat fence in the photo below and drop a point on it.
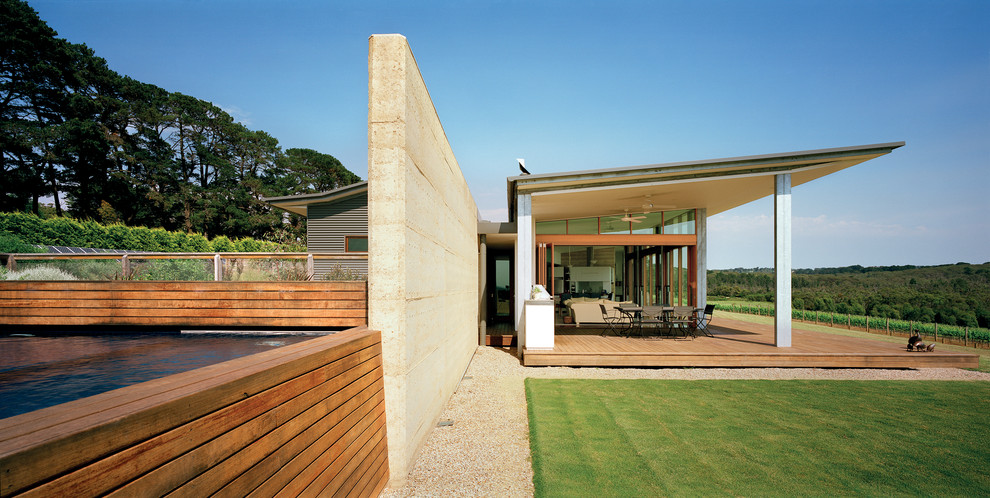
(183, 304)
(304, 419)
(966, 336)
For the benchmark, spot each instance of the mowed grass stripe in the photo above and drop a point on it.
(736, 437)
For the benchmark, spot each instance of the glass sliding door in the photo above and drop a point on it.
(646, 275)
(677, 278)
(588, 271)
(499, 287)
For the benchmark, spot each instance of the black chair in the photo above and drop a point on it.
(611, 320)
(683, 319)
(705, 318)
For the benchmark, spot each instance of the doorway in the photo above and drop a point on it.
(500, 292)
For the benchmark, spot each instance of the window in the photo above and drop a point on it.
(614, 224)
(551, 227)
(649, 223)
(678, 222)
(675, 222)
(585, 226)
(356, 243)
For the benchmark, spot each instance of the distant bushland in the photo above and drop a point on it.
(956, 294)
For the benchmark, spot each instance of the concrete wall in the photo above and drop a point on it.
(423, 251)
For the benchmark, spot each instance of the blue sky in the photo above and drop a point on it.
(573, 85)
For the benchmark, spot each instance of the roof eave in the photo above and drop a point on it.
(298, 203)
(547, 181)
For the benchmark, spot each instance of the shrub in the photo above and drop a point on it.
(178, 241)
(121, 237)
(246, 270)
(61, 231)
(197, 243)
(12, 243)
(174, 269)
(164, 240)
(338, 272)
(24, 225)
(39, 273)
(90, 269)
(222, 244)
(247, 245)
(96, 235)
(144, 239)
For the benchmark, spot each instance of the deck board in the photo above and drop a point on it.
(737, 344)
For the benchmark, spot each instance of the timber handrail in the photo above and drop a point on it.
(184, 255)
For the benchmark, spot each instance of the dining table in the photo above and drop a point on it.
(634, 316)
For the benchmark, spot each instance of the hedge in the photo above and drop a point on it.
(31, 229)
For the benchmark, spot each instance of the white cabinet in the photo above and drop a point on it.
(539, 324)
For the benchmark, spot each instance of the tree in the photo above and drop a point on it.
(311, 171)
(32, 76)
(120, 149)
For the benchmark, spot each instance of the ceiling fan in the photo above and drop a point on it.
(634, 219)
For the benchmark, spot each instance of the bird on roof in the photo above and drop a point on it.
(522, 166)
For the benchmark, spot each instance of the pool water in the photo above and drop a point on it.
(38, 372)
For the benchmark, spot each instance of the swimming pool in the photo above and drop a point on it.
(38, 372)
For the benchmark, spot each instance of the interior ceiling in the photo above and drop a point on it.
(500, 240)
(715, 189)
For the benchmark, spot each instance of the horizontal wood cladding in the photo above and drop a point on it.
(308, 418)
(329, 223)
(188, 304)
(323, 267)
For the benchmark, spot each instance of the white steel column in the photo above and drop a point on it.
(701, 224)
(525, 248)
(782, 259)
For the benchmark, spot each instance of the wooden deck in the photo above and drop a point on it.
(305, 419)
(737, 344)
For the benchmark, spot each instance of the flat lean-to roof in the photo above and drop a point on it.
(716, 184)
(298, 203)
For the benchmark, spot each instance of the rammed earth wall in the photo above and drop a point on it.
(423, 250)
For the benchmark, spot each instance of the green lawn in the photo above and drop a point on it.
(758, 438)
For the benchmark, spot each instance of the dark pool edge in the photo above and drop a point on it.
(255, 332)
(49, 331)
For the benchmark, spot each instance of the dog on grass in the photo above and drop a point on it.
(915, 343)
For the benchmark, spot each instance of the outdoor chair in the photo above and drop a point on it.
(611, 320)
(705, 318)
(653, 318)
(684, 319)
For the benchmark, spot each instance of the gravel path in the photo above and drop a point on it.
(485, 452)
